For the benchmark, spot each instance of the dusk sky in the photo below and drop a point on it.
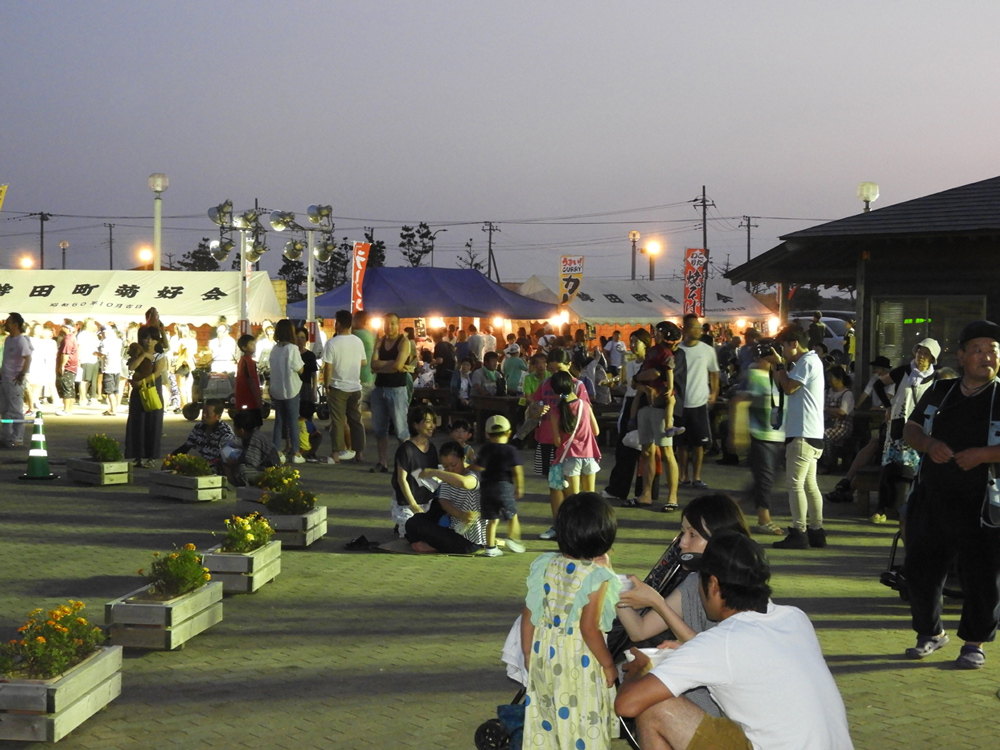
(566, 123)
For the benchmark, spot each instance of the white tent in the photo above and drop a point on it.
(618, 301)
(193, 297)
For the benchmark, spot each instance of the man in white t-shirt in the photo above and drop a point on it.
(700, 389)
(615, 350)
(343, 357)
(477, 344)
(804, 384)
(762, 664)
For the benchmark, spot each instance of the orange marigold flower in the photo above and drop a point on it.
(80, 621)
(39, 639)
(50, 622)
(22, 628)
(189, 546)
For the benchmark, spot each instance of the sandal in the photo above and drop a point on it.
(634, 503)
(970, 657)
(669, 508)
(769, 528)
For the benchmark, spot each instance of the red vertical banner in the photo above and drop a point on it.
(695, 272)
(359, 262)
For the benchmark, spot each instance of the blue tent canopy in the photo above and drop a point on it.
(430, 292)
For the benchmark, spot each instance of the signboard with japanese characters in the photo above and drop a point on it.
(695, 272)
(180, 296)
(570, 277)
(359, 262)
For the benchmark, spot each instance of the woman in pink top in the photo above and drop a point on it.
(574, 430)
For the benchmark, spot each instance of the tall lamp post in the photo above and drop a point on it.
(64, 245)
(634, 237)
(868, 192)
(158, 183)
(652, 249)
(252, 246)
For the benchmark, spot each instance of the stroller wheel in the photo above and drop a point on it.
(191, 411)
(492, 735)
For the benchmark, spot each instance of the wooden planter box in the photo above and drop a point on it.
(48, 710)
(299, 531)
(163, 626)
(244, 573)
(88, 471)
(188, 489)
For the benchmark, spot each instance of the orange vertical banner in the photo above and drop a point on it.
(695, 271)
(359, 262)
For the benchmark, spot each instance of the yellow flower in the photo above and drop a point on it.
(189, 547)
(208, 577)
(39, 639)
(173, 555)
(80, 621)
(249, 537)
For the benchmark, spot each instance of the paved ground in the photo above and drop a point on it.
(356, 650)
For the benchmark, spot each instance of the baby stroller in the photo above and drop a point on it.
(504, 732)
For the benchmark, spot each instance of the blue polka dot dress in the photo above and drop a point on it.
(568, 705)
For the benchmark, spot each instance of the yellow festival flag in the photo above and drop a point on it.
(3, 192)
(570, 277)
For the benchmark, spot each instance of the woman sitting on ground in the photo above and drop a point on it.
(682, 612)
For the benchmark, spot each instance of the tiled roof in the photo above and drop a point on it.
(972, 208)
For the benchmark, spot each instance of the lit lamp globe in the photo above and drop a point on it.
(868, 193)
(146, 256)
(27, 262)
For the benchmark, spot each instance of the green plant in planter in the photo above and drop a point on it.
(177, 573)
(188, 465)
(245, 534)
(100, 447)
(49, 645)
(289, 501)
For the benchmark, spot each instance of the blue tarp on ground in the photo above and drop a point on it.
(430, 292)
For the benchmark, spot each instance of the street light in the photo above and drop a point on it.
(868, 192)
(27, 262)
(652, 249)
(634, 237)
(252, 247)
(64, 245)
(319, 215)
(158, 183)
(146, 255)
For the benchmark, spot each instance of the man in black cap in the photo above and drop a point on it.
(956, 428)
(762, 664)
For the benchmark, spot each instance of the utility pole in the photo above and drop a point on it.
(170, 261)
(746, 223)
(704, 239)
(490, 227)
(42, 218)
(111, 246)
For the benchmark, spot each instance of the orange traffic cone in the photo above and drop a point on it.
(38, 457)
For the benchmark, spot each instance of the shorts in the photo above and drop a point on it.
(66, 384)
(697, 429)
(401, 514)
(719, 733)
(652, 426)
(109, 383)
(574, 467)
(544, 452)
(497, 501)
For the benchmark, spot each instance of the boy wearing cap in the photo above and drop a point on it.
(762, 664)
(514, 368)
(956, 429)
(502, 485)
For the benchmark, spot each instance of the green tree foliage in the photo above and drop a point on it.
(416, 244)
(333, 273)
(199, 259)
(295, 276)
(469, 258)
(376, 256)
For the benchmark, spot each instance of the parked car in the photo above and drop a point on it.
(836, 329)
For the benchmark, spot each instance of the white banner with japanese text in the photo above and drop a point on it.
(570, 277)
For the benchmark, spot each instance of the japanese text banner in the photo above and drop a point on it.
(695, 272)
(359, 262)
(570, 277)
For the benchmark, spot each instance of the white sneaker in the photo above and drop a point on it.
(281, 457)
(298, 459)
(608, 496)
(515, 546)
(346, 455)
(491, 552)
(548, 535)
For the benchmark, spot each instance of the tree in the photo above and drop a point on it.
(294, 274)
(470, 258)
(376, 256)
(416, 244)
(806, 298)
(199, 259)
(333, 273)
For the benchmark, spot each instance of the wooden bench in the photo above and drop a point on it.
(865, 482)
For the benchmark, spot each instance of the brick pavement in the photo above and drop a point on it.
(357, 650)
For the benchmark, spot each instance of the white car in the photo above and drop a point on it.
(836, 329)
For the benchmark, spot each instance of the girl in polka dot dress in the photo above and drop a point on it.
(569, 607)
